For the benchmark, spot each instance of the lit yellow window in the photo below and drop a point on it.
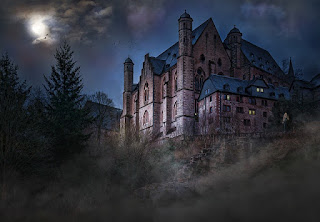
(260, 90)
(252, 112)
(228, 97)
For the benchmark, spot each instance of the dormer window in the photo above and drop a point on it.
(267, 62)
(272, 94)
(281, 95)
(261, 66)
(174, 55)
(167, 65)
(253, 62)
(226, 87)
(252, 55)
(260, 90)
(206, 92)
(260, 59)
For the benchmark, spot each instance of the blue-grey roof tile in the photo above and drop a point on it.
(261, 58)
(231, 85)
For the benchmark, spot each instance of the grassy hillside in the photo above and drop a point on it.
(256, 180)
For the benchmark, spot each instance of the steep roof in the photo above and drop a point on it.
(316, 80)
(168, 58)
(218, 83)
(261, 59)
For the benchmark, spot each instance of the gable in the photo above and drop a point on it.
(169, 57)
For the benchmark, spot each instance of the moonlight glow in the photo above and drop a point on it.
(38, 28)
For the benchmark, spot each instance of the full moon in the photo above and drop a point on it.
(38, 28)
(37, 25)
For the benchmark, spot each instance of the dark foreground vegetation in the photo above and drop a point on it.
(51, 170)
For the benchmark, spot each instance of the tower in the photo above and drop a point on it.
(234, 39)
(127, 94)
(185, 77)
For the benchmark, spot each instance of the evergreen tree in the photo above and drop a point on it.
(13, 115)
(66, 117)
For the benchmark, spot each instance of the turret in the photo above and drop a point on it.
(185, 34)
(185, 71)
(234, 39)
(128, 75)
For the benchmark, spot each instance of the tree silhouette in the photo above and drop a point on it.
(66, 117)
(13, 116)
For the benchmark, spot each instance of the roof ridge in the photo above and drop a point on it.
(256, 45)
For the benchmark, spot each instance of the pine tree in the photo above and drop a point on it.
(13, 115)
(67, 119)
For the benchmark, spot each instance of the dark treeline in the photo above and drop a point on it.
(40, 127)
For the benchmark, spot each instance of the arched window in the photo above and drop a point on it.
(145, 118)
(175, 82)
(198, 79)
(146, 92)
(174, 110)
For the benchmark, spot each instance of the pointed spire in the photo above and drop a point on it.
(291, 71)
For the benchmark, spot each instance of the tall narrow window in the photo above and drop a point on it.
(146, 92)
(175, 82)
(196, 82)
(145, 118)
(201, 82)
(219, 62)
(202, 58)
(174, 110)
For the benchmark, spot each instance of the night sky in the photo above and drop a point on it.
(103, 33)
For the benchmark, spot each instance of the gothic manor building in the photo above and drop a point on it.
(203, 85)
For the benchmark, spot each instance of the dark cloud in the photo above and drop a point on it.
(103, 33)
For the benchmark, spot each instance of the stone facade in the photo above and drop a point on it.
(165, 102)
